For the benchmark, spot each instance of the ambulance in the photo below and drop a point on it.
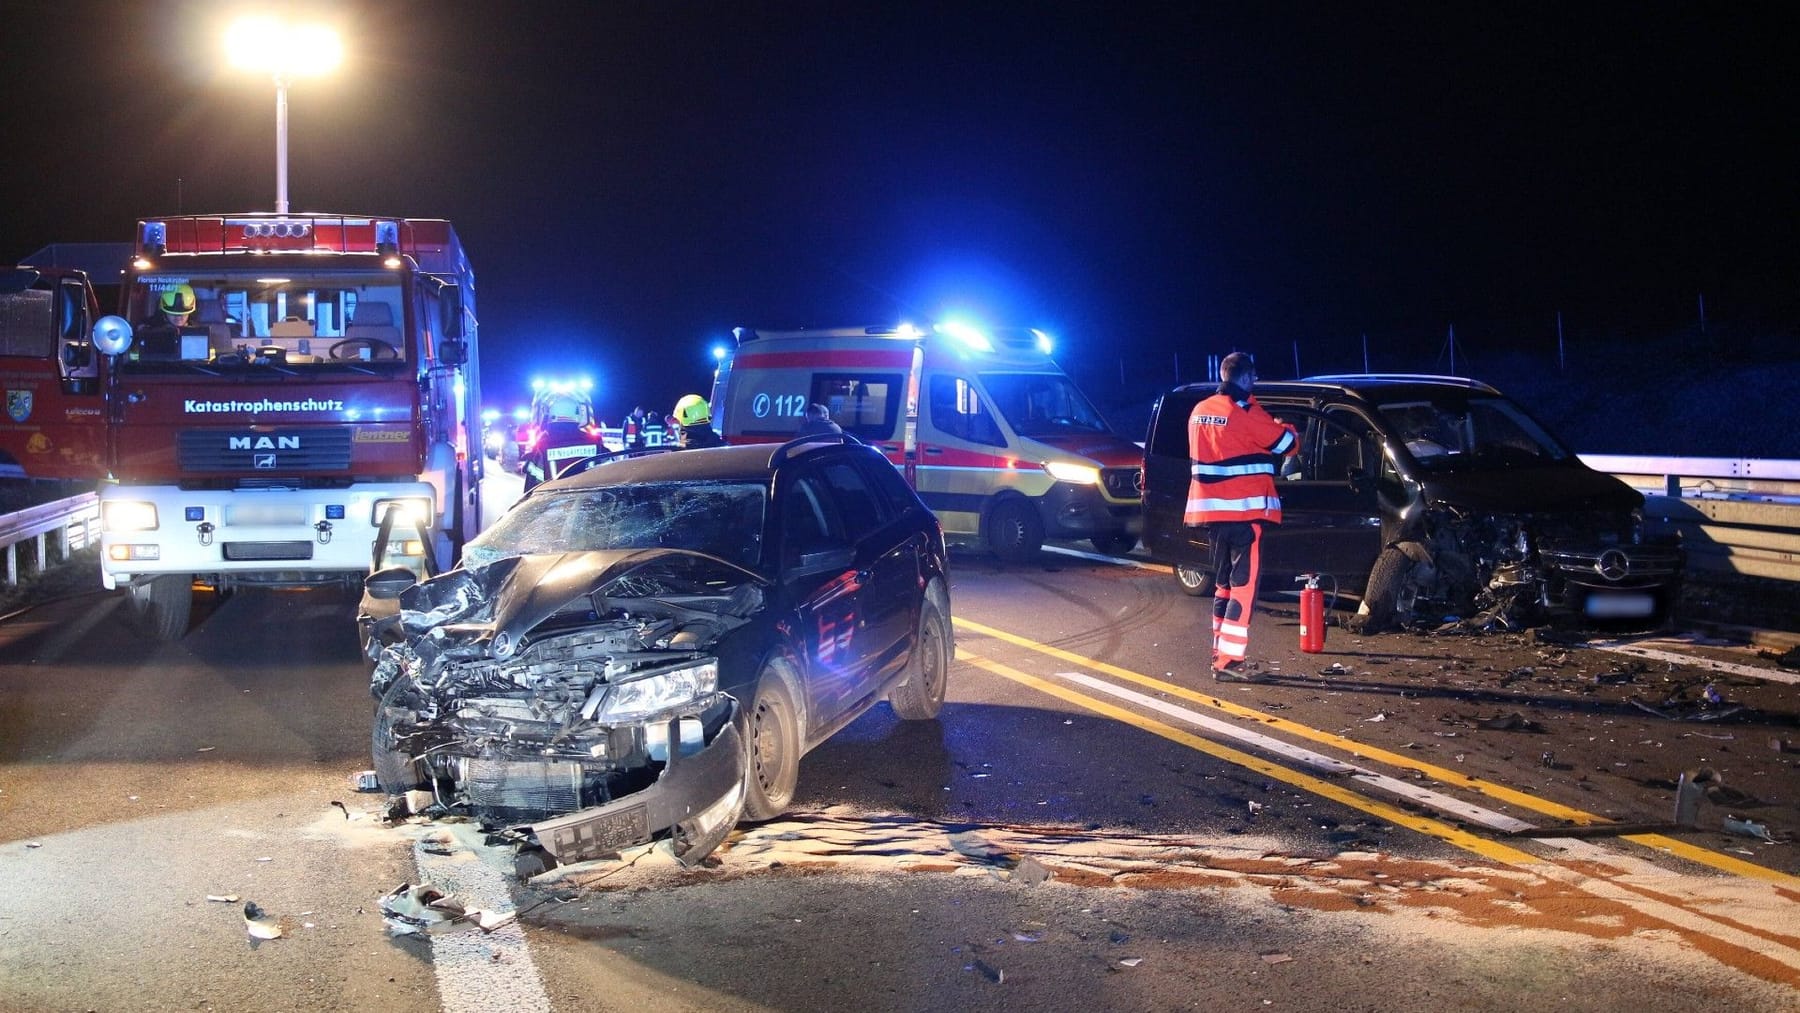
(993, 435)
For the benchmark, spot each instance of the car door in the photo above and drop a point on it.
(1330, 515)
(1166, 475)
(821, 571)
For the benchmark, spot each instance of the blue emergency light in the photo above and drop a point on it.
(334, 511)
(193, 513)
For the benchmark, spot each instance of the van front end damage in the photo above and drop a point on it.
(594, 723)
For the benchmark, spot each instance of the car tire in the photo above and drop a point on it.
(921, 695)
(1388, 593)
(1014, 531)
(397, 772)
(1194, 581)
(162, 606)
(771, 744)
(1114, 543)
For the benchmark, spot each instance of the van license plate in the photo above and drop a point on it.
(1608, 605)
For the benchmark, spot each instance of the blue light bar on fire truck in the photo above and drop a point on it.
(561, 386)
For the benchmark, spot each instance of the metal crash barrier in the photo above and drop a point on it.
(72, 524)
(1735, 515)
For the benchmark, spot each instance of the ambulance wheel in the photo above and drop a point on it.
(1014, 531)
(1114, 543)
(162, 606)
(1193, 580)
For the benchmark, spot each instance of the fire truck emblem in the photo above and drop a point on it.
(18, 405)
(262, 461)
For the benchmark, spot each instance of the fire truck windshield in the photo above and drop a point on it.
(1043, 404)
(313, 322)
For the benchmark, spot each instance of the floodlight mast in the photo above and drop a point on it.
(284, 51)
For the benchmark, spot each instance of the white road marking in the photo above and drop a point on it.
(1098, 558)
(1730, 667)
(1424, 796)
(479, 972)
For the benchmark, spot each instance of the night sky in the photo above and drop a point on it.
(1151, 183)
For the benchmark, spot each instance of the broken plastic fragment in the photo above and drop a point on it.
(426, 910)
(259, 923)
(1276, 958)
(222, 898)
(1749, 828)
(365, 780)
(988, 971)
(1131, 961)
(1030, 871)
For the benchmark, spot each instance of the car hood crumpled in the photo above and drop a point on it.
(1533, 490)
(505, 599)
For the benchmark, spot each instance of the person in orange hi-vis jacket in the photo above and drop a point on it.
(1234, 447)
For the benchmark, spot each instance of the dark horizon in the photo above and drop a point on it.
(1144, 182)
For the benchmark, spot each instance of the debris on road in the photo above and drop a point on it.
(33, 844)
(342, 806)
(1512, 721)
(365, 781)
(1675, 707)
(1131, 961)
(222, 898)
(1788, 659)
(426, 910)
(988, 971)
(1030, 871)
(1276, 957)
(1750, 828)
(1335, 668)
(259, 923)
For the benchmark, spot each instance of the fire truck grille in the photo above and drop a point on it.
(1121, 483)
(284, 450)
(268, 550)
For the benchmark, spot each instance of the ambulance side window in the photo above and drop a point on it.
(865, 405)
(957, 409)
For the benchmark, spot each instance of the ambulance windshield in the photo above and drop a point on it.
(1043, 404)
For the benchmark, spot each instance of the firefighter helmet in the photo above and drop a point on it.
(692, 410)
(177, 300)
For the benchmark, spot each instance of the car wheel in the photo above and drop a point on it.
(162, 606)
(771, 744)
(1389, 595)
(397, 771)
(921, 695)
(1115, 543)
(1193, 580)
(1014, 531)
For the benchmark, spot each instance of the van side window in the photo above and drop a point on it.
(1169, 437)
(1346, 447)
(865, 405)
(956, 409)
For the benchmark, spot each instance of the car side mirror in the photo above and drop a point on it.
(389, 583)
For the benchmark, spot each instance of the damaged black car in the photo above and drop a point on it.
(644, 651)
(1434, 500)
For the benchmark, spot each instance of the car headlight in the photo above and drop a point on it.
(413, 511)
(128, 515)
(644, 695)
(1080, 474)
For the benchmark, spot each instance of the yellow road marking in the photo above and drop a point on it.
(1306, 782)
(1702, 856)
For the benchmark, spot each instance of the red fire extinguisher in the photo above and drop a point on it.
(1312, 614)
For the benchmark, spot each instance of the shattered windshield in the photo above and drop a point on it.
(723, 519)
(1449, 436)
(1043, 404)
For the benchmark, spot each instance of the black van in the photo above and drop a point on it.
(1430, 497)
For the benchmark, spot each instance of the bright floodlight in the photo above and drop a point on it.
(273, 46)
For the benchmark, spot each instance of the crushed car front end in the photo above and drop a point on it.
(575, 697)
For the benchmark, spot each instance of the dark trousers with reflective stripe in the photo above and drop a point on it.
(1236, 567)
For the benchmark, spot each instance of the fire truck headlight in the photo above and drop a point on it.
(1079, 474)
(127, 515)
(409, 513)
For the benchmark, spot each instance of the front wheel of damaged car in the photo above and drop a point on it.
(921, 695)
(771, 744)
(1388, 598)
(395, 768)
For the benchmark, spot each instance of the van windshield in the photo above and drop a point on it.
(1453, 436)
(1043, 404)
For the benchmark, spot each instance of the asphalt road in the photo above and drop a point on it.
(1309, 842)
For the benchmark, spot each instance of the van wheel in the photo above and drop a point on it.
(921, 696)
(1115, 543)
(1388, 598)
(1014, 531)
(162, 606)
(771, 745)
(1193, 580)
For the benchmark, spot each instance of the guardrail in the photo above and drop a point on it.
(75, 523)
(1735, 515)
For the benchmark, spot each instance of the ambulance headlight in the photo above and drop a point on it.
(127, 515)
(1079, 474)
(409, 512)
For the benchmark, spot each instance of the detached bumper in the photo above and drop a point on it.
(699, 796)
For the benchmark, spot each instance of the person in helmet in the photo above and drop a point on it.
(694, 416)
(160, 336)
(560, 434)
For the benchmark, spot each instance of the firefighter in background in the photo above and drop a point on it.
(1234, 447)
(694, 417)
(635, 424)
(561, 432)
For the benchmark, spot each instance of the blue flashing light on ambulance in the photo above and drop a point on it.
(993, 435)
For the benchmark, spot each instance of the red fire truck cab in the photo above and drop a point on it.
(292, 402)
(53, 426)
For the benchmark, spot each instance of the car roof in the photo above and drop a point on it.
(756, 462)
(1374, 388)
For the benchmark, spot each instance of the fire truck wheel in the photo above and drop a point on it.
(161, 606)
(1193, 580)
(1014, 531)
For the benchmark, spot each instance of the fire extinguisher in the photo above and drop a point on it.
(1312, 614)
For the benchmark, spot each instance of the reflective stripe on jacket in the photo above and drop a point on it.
(1233, 447)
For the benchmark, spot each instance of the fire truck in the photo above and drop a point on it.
(291, 401)
(995, 437)
(53, 427)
